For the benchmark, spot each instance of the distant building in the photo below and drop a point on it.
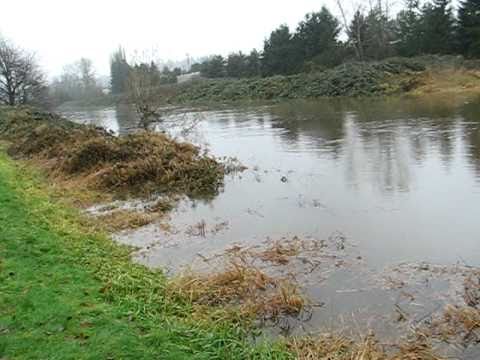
(188, 77)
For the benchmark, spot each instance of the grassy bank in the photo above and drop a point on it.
(68, 292)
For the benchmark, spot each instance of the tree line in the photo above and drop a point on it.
(431, 28)
(122, 71)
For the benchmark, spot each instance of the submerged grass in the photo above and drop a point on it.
(460, 323)
(244, 289)
(118, 220)
(337, 347)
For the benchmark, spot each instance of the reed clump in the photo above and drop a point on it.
(460, 323)
(338, 347)
(242, 286)
(119, 220)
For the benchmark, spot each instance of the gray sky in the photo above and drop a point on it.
(61, 32)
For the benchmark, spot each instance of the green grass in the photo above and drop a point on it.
(67, 292)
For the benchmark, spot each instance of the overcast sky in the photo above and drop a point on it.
(61, 32)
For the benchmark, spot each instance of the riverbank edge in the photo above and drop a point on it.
(392, 77)
(51, 258)
(53, 265)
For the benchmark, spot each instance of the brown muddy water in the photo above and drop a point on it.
(391, 186)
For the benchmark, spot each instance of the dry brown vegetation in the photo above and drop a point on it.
(243, 286)
(280, 252)
(460, 323)
(448, 81)
(244, 279)
(119, 220)
(336, 347)
(139, 163)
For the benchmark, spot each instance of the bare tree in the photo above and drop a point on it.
(143, 93)
(21, 80)
(77, 82)
(357, 32)
(87, 74)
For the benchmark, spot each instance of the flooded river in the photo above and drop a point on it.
(397, 181)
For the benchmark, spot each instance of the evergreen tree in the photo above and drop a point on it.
(236, 65)
(119, 71)
(317, 34)
(437, 28)
(253, 65)
(168, 76)
(469, 27)
(408, 28)
(280, 55)
(214, 67)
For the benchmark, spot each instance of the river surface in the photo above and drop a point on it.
(397, 179)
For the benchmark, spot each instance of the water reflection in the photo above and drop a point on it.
(385, 139)
(392, 174)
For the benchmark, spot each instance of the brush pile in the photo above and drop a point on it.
(140, 163)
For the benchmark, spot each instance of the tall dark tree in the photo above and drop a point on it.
(214, 67)
(119, 71)
(438, 28)
(280, 54)
(469, 27)
(254, 65)
(168, 76)
(236, 65)
(408, 29)
(317, 35)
